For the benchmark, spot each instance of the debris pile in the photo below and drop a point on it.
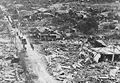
(10, 69)
(75, 62)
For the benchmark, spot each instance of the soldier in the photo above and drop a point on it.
(24, 42)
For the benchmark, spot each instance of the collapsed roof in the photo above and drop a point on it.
(111, 49)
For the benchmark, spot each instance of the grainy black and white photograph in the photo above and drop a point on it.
(59, 41)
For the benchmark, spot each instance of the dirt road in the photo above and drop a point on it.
(36, 61)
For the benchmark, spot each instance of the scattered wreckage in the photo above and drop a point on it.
(10, 68)
(68, 62)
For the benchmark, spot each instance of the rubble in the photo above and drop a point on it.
(79, 65)
(72, 55)
(9, 71)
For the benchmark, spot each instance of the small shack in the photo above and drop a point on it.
(109, 53)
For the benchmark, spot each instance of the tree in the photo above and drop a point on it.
(87, 26)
